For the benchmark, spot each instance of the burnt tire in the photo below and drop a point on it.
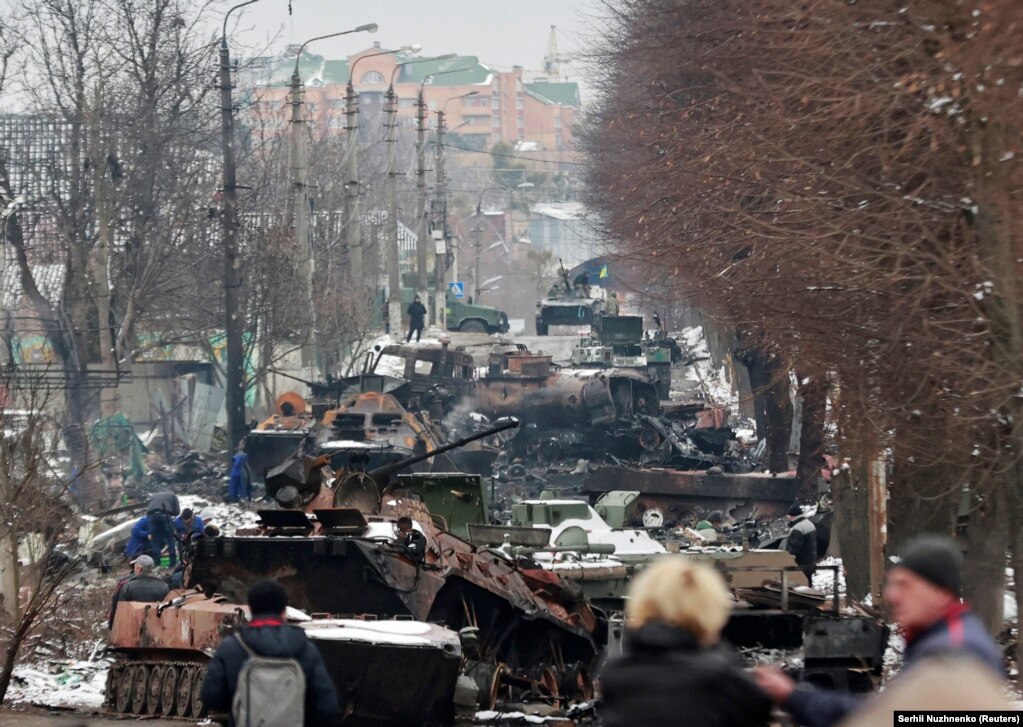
(154, 689)
(123, 689)
(473, 326)
(169, 691)
(139, 689)
(183, 697)
(198, 708)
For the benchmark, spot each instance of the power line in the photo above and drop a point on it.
(514, 156)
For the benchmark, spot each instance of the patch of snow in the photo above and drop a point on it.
(80, 684)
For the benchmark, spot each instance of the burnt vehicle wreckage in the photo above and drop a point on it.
(498, 605)
(410, 634)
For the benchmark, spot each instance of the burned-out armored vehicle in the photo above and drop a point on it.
(405, 632)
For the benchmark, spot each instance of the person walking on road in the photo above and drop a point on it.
(416, 319)
(923, 591)
(674, 669)
(802, 541)
(268, 636)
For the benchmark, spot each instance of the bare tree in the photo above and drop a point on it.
(35, 514)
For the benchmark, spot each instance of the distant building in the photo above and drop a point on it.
(503, 107)
(562, 229)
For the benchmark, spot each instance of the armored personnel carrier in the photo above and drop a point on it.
(405, 631)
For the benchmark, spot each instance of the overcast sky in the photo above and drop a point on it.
(502, 33)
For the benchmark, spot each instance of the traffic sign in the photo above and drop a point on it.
(458, 289)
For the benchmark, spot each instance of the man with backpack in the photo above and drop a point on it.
(269, 673)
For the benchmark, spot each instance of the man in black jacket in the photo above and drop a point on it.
(267, 634)
(802, 541)
(144, 586)
(416, 319)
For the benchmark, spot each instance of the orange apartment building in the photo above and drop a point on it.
(502, 106)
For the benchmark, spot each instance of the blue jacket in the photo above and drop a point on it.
(179, 526)
(139, 538)
(958, 632)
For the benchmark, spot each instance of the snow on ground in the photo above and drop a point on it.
(703, 376)
(824, 579)
(54, 683)
(226, 516)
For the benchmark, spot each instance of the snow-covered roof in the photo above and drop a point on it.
(560, 210)
(49, 279)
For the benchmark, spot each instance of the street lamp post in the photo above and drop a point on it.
(234, 367)
(300, 189)
(393, 253)
(352, 211)
(442, 206)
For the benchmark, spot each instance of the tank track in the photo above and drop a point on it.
(168, 688)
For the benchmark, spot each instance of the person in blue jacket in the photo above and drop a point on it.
(138, 543)
(240, 483)
(187, 525)
(923, 590)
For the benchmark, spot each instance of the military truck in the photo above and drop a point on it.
(465, 316)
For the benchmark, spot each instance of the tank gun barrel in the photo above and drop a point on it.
(564, 274)
(499, 426)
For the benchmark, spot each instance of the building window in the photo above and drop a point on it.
(373, 77)
(406, 103)
(476, 102)
(497, 122)
(557, 122)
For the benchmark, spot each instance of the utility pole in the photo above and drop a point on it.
(422, 238)
(442, 205)
(234, 369)
(393, 257)
(353, 215)
(300, 217)
(477, 248)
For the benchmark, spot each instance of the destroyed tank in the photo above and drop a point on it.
(404, 635)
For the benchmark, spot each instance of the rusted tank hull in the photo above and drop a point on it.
(682, 495)
(567, 398)
(268, 449)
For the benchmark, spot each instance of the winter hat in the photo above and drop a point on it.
(795, 511)
(936, 559)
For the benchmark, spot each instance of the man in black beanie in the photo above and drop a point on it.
(923, 591)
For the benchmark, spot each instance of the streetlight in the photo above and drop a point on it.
(234, 366)
(300, 185)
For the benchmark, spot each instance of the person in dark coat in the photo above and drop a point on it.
(144, 586)
(413, 540)
(924, 594)
(674, 669)
(416, 319)
(267, 634)
(802, 541)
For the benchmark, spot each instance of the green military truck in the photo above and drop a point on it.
(462, 316)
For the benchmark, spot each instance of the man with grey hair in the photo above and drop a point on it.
(144, 585)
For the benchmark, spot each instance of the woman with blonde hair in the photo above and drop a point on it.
(674, 670)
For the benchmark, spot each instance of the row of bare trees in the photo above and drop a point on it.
(839, 184)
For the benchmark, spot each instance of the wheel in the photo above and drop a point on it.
(547, 681)
(124, 682)
(169, 691)
(198, 708)
(183, 700)
(139, 689)
(154, 690)
(110, 689)
(473, 326)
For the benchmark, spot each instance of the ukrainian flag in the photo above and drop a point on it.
(603, 272)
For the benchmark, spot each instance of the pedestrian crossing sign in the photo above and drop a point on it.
(457, 289)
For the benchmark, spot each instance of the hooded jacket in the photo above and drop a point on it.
(664, 677)
(268, 636)
(802, 543)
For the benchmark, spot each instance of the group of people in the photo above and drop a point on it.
(162, 528)
(674, 662)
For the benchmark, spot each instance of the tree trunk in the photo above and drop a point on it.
(814, 392)
(851, 525)
(769, 379)
(987, 544)
(925, 498)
